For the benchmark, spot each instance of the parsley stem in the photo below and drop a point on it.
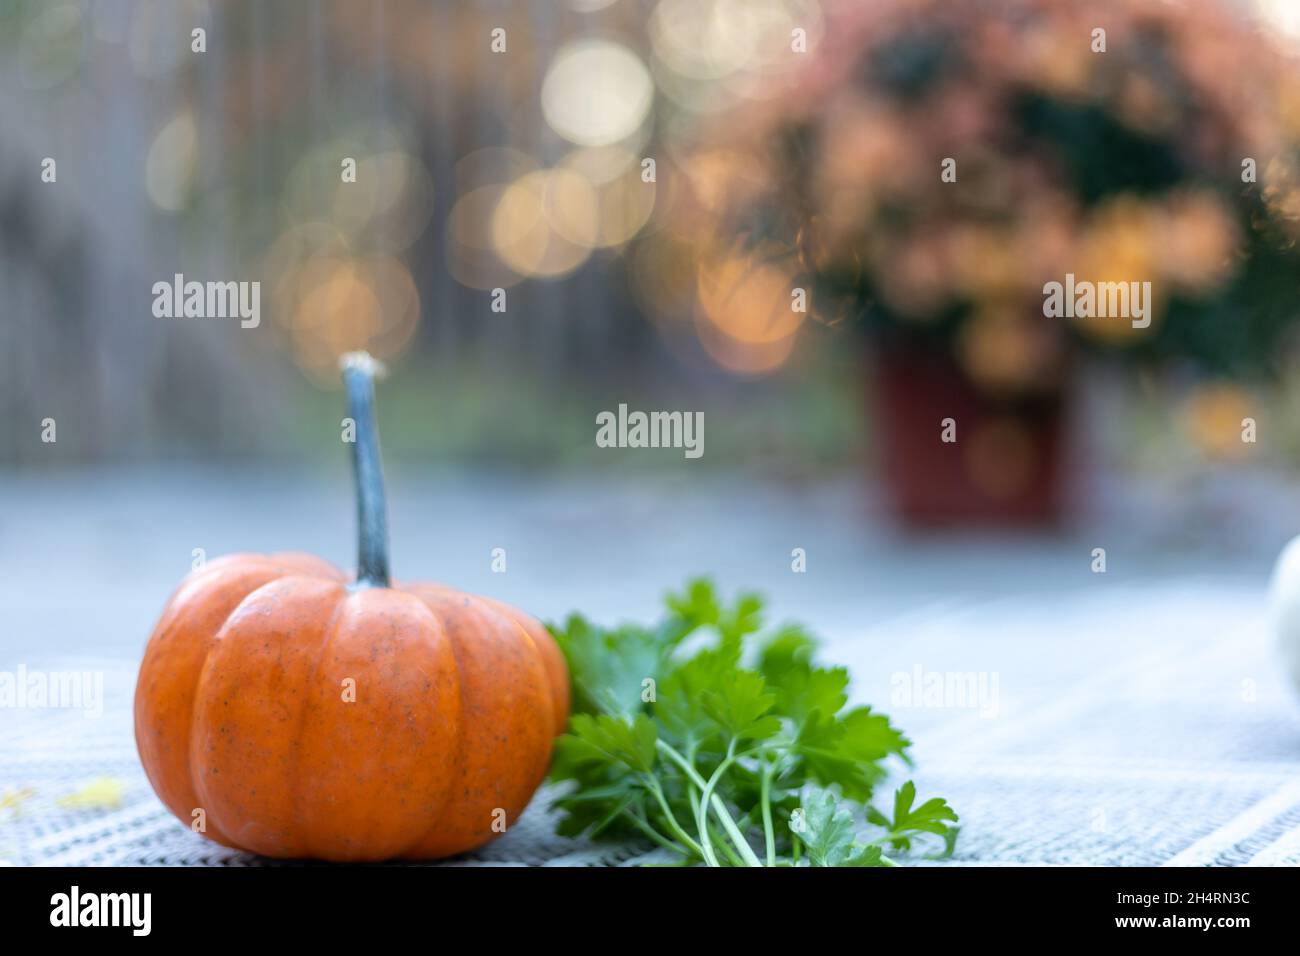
(702, 815)
(768, 836)
(687, 766)
(674, 827)
(726, 849)
(713, 800)
(644, 826)
(691, 790)
(738, 838)
(709, 798)
(692, 794)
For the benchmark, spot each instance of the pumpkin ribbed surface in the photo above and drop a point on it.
(305, 718)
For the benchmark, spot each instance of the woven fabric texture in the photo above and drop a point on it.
(1101, 726)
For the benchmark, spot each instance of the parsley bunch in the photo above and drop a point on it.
(728, 747)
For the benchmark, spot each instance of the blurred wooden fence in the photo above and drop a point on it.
(78, 342)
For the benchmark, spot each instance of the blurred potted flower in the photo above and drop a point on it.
(934, 163)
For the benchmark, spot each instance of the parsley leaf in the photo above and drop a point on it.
(608, 667)
(933, 816)
(679, 743)
(827, 830)
(740, 705)
(612, 739)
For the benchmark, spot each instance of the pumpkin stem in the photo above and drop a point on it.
(359, 371)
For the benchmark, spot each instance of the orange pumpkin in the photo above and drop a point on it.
(294, 713)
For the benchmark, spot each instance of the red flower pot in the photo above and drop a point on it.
(1003, 463)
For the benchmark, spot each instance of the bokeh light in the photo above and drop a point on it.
(545, 223)
(596, 92)
(344, 304)
(745, 310)
(50, 51)
(160, 34)
(169, 167)
(624, 202)
(1212, 418)
(707, 54)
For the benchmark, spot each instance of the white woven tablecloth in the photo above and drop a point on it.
(1097, 748)
(1140, 718)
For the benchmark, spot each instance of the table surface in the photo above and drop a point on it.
(1133, 717)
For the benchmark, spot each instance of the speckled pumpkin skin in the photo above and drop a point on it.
(240, 711)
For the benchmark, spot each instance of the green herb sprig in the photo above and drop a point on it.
(729, 747)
